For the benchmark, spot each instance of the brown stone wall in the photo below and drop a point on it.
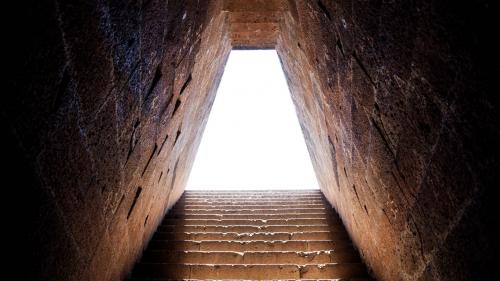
(100, 134)
(106, 101)
(401, 124)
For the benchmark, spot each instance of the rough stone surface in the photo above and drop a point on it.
(106, 102)
(395, 103)
(99, 126)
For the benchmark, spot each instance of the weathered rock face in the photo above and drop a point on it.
(109, 99)
(400, 123)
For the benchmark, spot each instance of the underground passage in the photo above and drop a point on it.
(107, 104)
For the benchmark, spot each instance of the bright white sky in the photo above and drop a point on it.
(253, 138)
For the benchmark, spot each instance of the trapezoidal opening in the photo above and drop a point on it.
(253, 139)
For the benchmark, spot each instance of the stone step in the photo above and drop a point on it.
(231, 222)
(245, 198)
(254, 204)
(252, 211)
(213, 257)
(234, 236)
(302, 279)
(255, 197)
(254, 272)
(249, 201)
(247, 206)
(253, 193)
(251, 236)
(242, 193)
(245, 246)
(256, 191)
(250, 216)
(244, 228)
(252, 199)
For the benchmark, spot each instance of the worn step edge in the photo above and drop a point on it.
(233, 191)
(256, 245)
(242, 203)
(247, 225)
(252, 211)
(270, 198)
(316, 235)
(244, 228)
(232, 222)
(302, 279)
(338, 231)
(259, 196)
(244, 206)
(252, 197)
(249, 200)
(253, 194)
(250, 203)
(249, 216)
(255, 272)
(255, 203)
(252, 257)
(243, 199)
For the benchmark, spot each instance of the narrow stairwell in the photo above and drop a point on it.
(259, 235)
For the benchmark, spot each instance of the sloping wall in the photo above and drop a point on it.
(100, 134)
(400, 123)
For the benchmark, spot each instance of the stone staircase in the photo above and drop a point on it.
(245, 235)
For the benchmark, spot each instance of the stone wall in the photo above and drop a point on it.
(100, 137)
(106, 102)
(402, 127)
